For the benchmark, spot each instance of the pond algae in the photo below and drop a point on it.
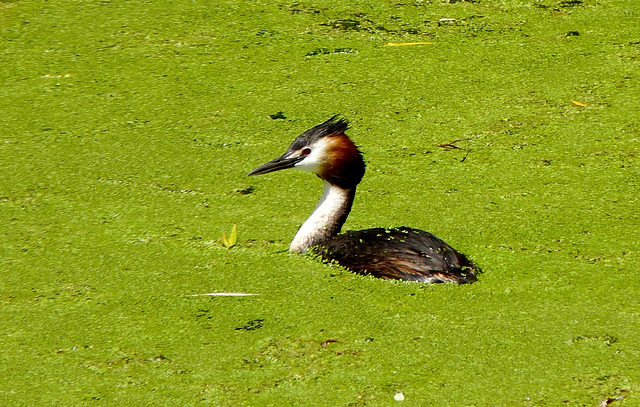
(509, 129)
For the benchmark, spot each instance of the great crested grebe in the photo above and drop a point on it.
(398, 253)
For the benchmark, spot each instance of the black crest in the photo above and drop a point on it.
(335, 125)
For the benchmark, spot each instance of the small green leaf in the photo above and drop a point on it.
(225, 242)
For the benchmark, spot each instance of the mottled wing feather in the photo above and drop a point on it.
(400, 253)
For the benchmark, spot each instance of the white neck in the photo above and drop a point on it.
(326, 220)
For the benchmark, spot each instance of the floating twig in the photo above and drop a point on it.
(222, 294)
(452, 144)
(328, 341)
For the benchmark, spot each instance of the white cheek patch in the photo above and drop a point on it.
(315, 161)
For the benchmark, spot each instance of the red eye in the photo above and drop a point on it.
(306, 151)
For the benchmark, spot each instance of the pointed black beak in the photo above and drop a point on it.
(280, 163)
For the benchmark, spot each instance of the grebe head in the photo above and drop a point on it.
(325, 151)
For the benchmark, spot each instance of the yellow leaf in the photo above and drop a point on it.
(233, 237)
(230, 241)
(578, 103)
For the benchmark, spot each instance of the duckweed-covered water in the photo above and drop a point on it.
(508, 128)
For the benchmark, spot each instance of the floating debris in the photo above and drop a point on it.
(327, 51)
(328, 341)
(251, 325)
(608, 401)
(223, 294)
(404, 44)
(279, 115)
